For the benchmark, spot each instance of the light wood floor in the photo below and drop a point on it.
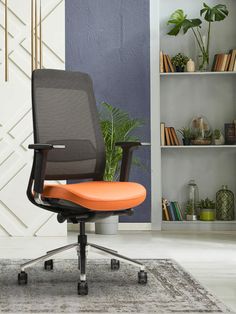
(210, 258)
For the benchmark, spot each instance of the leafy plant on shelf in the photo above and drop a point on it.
(179, 61)
(190, 210)
(179, 21)
(207, 204)
(116, 126)
(186, 134)
(217, 134)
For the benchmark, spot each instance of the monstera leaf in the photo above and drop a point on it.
(214, 14)
(180, 21)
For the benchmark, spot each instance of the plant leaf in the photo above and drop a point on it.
(214, 14)
(179, 21)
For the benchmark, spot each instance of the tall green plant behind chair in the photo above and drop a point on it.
(117, 126)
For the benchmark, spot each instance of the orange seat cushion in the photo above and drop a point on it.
(99, 195)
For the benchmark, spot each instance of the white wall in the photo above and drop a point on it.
(18, 217)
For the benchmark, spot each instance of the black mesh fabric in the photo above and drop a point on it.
(65, 112)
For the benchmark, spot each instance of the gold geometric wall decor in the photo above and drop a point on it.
(36, 37)
(18, 217)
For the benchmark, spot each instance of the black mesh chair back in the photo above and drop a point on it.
(65, 112)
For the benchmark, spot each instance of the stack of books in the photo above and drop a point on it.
(225, 62)
(171, 211)
(165, 63)
(168, 136)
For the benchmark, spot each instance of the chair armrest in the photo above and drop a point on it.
(45, 146)
(40, 161)
(128, 148)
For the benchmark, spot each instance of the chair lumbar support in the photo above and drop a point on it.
(82, 246)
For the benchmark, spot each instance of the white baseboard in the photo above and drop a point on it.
(123, 226)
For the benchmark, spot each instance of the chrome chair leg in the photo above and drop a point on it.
(118, 256)
(47, 256)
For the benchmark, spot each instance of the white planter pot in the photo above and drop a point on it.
(107, 225)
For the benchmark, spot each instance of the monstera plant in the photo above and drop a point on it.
(179, 21)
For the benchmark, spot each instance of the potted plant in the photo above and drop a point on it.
(218, 137)
(207, 209)
(190, 211)
(179, 21)
(179, 61)
(186, 135)
(116, 126)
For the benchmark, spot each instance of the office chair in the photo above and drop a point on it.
(69, 146)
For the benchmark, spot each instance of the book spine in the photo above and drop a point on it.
(170, 64)
(167, 136)
(163, 134)
(165, 64)
(174, 135)
(171, 137)
(173, 211)
(177, 211)
(171, 214)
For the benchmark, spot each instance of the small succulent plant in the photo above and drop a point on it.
(207, 204)
(217, 134)
(180, 60)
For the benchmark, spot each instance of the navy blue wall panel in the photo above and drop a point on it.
(109, 39)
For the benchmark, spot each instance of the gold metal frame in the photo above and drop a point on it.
(6, 41)
(36, 36)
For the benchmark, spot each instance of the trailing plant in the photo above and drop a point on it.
(180, 22)
(207, 204)
(117, 126)
(180, 60)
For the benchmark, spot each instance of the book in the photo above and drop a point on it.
(179, 210)
(219, 63)
(167, 137)
(163, 134)
(232, 60)
(171, 137)
(234, 65)
(172, 208)
(215, 62)
(224, 61)
(161, 62)
(170, 64)
(228, 61)
(166, 68)
(171, 212)
(174, 135)
(165, 211)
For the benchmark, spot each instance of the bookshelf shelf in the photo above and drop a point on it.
(199, 147)
(199, 226)
(197, 73)
(211, 94)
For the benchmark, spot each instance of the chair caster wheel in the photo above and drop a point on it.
(115, 264)
(142, 277)
(82, 288)
(22, 278)
(48, 265)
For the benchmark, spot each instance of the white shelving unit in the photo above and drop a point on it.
(176, 101)
(196, 73)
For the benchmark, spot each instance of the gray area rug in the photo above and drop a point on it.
(170, 289)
